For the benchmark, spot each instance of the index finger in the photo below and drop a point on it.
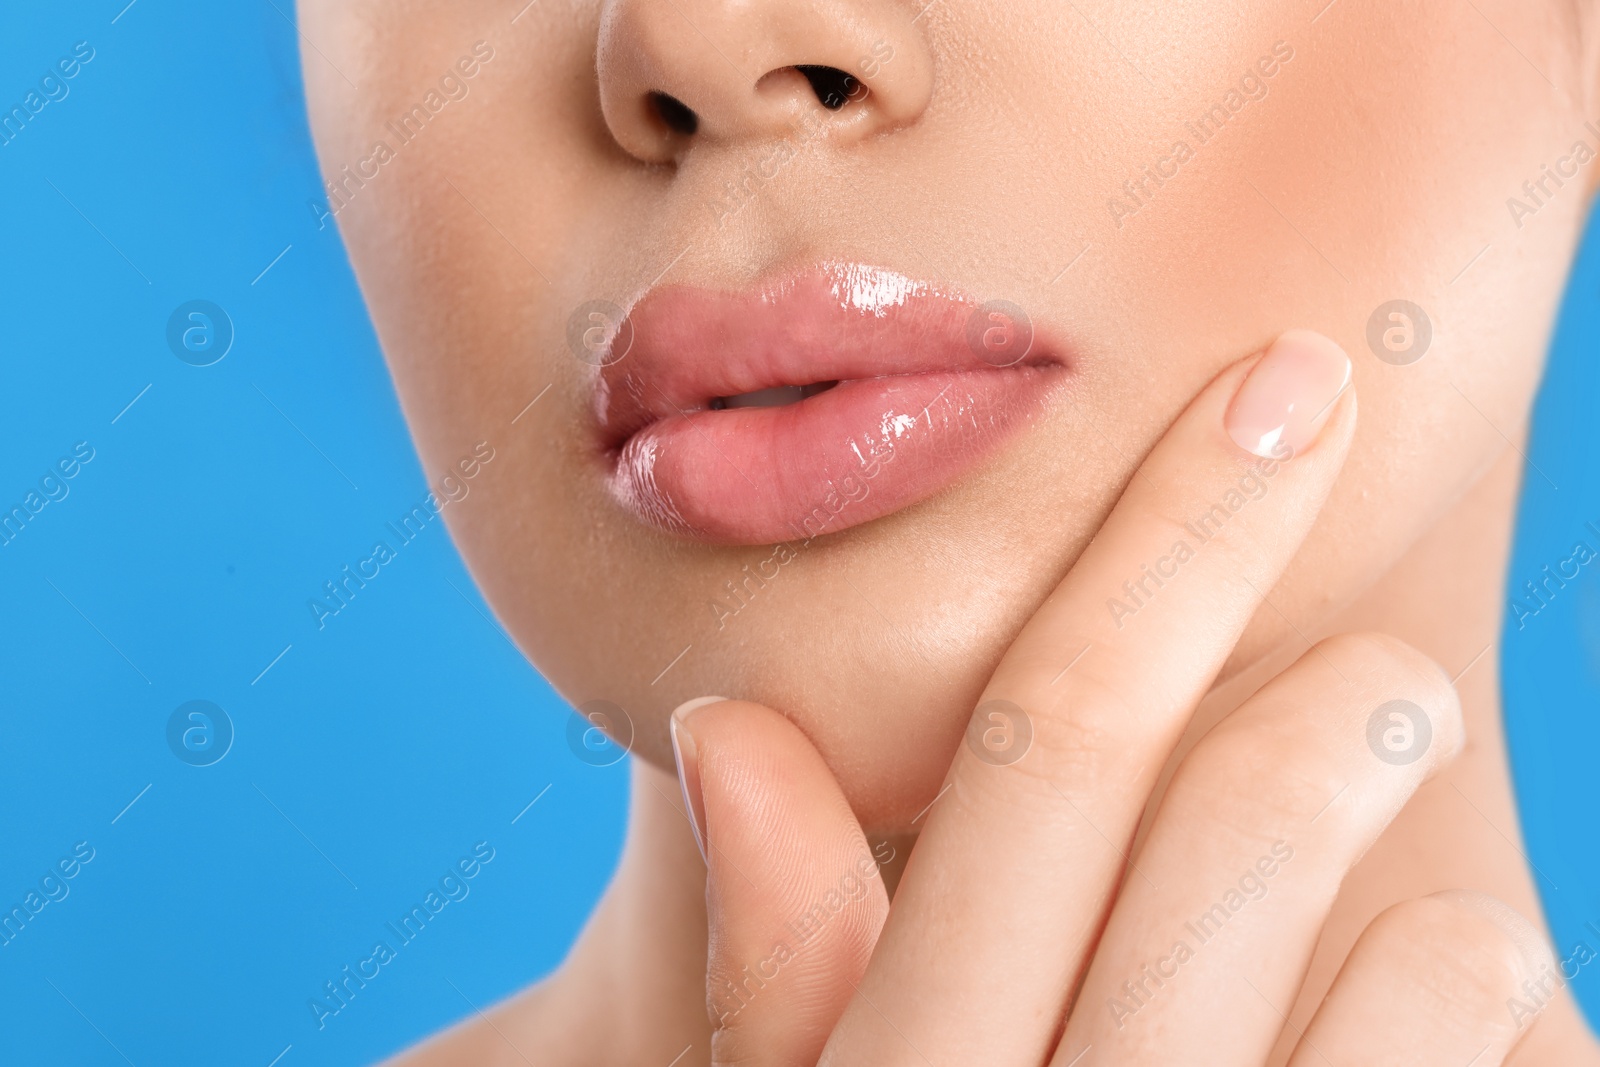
(1006, 892)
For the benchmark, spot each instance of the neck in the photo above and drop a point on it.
(636, 979)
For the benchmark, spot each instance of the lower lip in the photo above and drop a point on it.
(854, 453)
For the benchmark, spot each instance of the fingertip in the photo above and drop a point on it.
(1287, 398)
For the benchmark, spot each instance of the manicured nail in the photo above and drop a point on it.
(687, 758)
(1287, 397)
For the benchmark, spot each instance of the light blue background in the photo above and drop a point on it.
(377, 751)
(1551, 658)
(392, 740)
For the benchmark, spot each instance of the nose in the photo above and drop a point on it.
(677, 73)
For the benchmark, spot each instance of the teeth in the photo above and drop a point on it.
(776, 397)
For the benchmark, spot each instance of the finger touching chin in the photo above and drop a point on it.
(794, 898)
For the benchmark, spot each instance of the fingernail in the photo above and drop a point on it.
(687, 758)
(1287, 397)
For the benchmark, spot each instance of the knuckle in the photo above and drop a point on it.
(1386, 670)
(1260, 782)
(1468, 955)
(1088, 734)
(1383, 659)
(1387, 664)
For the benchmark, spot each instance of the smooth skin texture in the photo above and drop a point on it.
(1377, 165)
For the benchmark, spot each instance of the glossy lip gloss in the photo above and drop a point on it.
(827, 398)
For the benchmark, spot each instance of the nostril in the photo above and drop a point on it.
(677, 115)
(697, 77)
(833, 87)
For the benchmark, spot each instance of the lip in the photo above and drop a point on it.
(928, 383)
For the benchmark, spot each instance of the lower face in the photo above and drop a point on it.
(1137, 186)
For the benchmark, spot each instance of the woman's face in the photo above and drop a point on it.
(1159, 194)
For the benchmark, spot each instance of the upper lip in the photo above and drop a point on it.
(680, 349)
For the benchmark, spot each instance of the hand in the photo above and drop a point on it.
(1022, 932)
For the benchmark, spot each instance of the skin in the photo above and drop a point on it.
(1377, 166)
